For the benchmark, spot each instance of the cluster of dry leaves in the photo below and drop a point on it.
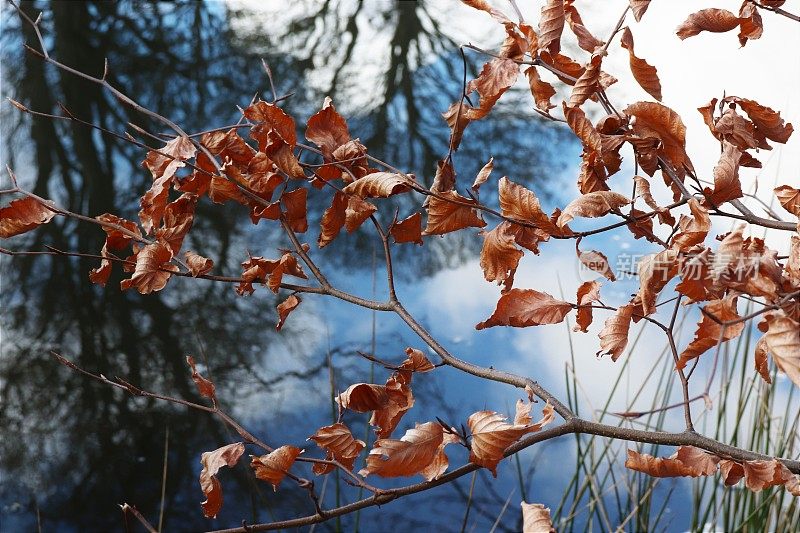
(269, 175)
(419, 451)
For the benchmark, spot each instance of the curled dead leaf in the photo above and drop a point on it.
(204, 386)
(153, 269)
(536, 518)
(449, 211)
(212, 461)
(521, 308)
(364, 397)
(644, 73)
(198, 265)
(274, 466)
(380, 185)
(286, 307)
(712, 20)
(592, 205)
(23, 215)
(409, 455)
(340, 444)
(408, 230)
(492, 434)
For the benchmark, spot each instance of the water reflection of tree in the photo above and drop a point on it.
(392, 68)
(175, 58)
(181, 59)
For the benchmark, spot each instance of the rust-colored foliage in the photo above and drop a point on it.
(212, 461)
(274, 466)
(23, 215)
(204, 386)
(340, 444)
(536, 518)
(262, 168)
(526, 307)
(492, 434)
(412, 454)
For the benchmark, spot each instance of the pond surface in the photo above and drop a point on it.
(74, 449)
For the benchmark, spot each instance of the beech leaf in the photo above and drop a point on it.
(789, 198)
(153, 269)
(536, 518)
(198, 265)
(639, 7)
(551, 24)
(726, 177)
(614, 335)
(380, 185)
(712, 20)
(499, 255)
(687, 461)
(364, 397)
(408, 456)
(204, 386)
(592, 205)
(340, 444)
(783, 341)
(521, 308)
(408, 230)
(492, 434)
(286, 307)
(644, 73)
(23, 215)
(709, 332)
(588, 292)
(274, 466)
(449, 211)
(483, 174)
(212, 461)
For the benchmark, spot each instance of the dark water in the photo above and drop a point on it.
(72, 449)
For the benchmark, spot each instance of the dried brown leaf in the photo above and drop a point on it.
(726, 177)
(212, 461)
(583, 128)
(686, 462)
(789, 198)
(410, 455)
(153, 269)
(712, 20)
(614, 335)
(588, 293)
(327, 129)
(483, 174)
(204, 386)
(541, 90)
(639, 7)
(274, 466)
(198, 265)
(286, 307)
(449, 211)
(551, 25)
(587, 83)
(499, 255)
(340, 444)
(492, 434)
(364, 397)
(656, 120)
(644, 73)
(521, 308)
(592, 205)
(23, 215)
(380, 185)
(783, 341)
(709, 332)
(332, 219)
